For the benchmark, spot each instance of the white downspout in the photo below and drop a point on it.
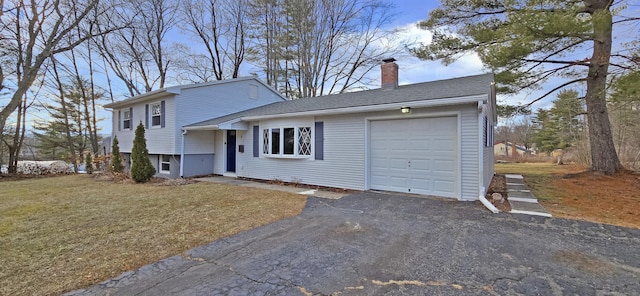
(184, 132)
(481, 188)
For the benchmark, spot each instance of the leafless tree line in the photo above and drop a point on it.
(51, 49)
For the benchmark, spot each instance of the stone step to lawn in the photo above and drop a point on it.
(521, 199)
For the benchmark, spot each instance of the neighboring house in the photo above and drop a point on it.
(432, 138)
(105, 146)
(165, 111)
(503, 149)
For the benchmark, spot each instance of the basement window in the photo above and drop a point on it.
(165, 164)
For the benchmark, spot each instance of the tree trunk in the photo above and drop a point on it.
(603, 153)
(66, 116)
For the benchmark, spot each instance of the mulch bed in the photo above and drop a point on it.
(499, 185)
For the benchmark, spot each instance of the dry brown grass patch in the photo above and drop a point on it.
(569, 191)
(64, 233)
(599, 198)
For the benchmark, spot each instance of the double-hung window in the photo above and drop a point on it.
(126, 121)
(165, 164)
(156, 114)
(287, 141)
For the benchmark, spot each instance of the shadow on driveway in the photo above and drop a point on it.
(376, 244)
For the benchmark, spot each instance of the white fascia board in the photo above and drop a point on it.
(235, 124)
(212, 127)
(144, 97)
(373, 108)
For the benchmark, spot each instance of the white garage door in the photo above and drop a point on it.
(415, 155)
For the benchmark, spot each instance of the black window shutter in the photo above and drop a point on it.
(319, 140)
(162, 115)
(146, 116)
(484, 132)
(130, 117)
(119, 120)
(256, 140)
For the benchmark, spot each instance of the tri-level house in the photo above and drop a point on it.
(432, 138)
(165, 111)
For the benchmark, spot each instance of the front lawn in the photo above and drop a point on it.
(566, 192)
(64, 233)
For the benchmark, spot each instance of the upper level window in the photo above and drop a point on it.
(126, 122)
(156, 113)
(287, 141)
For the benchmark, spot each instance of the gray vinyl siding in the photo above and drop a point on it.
(159, 140)
(174, 166)
(488, 153)
(193, 104)
(199, 142)
(344, 164)
(196, 104)
(198, 165)
(470, 153)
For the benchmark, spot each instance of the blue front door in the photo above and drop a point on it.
(231, 151)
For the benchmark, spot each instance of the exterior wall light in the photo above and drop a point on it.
(405, 110)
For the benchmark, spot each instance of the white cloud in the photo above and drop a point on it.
(414, 70)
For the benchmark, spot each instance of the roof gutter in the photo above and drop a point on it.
(211, 127)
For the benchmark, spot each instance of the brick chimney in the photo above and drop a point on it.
(389, 72)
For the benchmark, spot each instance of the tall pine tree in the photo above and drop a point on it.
(141, 168)
(527, 42)
(63, 136)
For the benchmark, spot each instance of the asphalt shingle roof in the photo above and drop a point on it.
(441, 89)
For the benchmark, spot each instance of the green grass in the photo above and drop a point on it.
(64, 233)
(538, 176)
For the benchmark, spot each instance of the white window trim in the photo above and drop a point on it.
(296, 147)
(159, 125)
(165, 162)
(124, 119)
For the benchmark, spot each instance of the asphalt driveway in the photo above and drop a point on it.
(378, 244)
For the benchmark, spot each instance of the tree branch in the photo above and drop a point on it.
(573, 63)
(552, 91)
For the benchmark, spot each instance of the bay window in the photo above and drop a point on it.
(287, 141)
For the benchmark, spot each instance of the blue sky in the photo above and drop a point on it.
(414, 70)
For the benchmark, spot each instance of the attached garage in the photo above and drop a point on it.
(431, 138)
(416, 155)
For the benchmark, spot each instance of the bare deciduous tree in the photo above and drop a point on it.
(313, 48)
(34, 31)
(139, 53)
(220, 26)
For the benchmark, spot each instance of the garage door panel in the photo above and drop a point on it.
(443, 186)
(443, 166)
(421, 165)
(396, 163)
(414, 155)
(417, 183)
